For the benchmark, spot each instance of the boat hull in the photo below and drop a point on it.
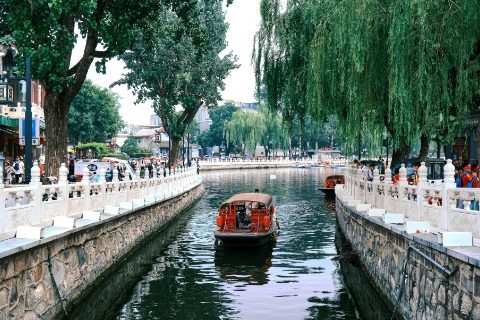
(329, 192)
(247, 238)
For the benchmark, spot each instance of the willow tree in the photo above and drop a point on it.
(406, 68)
(275, 133)
(347, 77)
(434, 70)
(46, 32)
(246, 129)
(177, 62)
(282, 56)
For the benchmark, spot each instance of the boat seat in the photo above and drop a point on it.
(230, 221)
(256, 221)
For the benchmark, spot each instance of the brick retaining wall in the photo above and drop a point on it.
(428, 293)
(29, 291)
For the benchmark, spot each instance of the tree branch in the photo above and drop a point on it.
(103, 54)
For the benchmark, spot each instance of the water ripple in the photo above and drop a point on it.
(296, 279)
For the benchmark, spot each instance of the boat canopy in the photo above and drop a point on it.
(264, 198)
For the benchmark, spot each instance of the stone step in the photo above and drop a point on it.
(12, 243)
(83, 222)
(417, 226)
(394, 218)
(29, 232)
(52, 231)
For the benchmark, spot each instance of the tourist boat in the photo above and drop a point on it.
(330, 183)
(247, 219)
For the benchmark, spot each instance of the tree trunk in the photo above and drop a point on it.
(424, 144)
(290, 156)
(175, 151)
(400, 153)
(56, 113)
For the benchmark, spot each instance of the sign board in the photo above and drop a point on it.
(92, 166)
(6, 93)
(35, 131)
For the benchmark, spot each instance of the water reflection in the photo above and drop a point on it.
(248, 265)
(190, 279)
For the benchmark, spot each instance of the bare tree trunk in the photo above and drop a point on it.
(290, 148)
(175, 151)
(56, 113)
(424, 144)
(400, 153)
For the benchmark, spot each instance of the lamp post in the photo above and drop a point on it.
(5, 78)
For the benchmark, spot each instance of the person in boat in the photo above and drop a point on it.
(257, 191)
(241, 215)
(329, 183)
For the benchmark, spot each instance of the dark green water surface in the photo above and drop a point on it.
(180, 275)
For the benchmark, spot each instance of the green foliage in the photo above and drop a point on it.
(130, 146)
(137, 155)
(215, 135)
(94, 115)
(177, 62)
(406, 68)
(97, 149)
(121, 155)
(46, 32)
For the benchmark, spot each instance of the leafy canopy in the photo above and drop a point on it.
(94, 115)
(215, 135)
(406, 68)
(177, 62)
(130, 146)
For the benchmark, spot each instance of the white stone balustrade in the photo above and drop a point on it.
(264, 162)
(37, 204)
(444, 205)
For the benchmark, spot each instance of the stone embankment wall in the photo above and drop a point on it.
(46, 280)
(428, 293)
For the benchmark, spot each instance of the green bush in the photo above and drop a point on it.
(140, 154)
(97, 148)
(121, 156)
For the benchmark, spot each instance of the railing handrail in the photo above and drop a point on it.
(438, 203)
(36, 203)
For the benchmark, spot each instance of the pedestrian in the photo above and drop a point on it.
(396, 177)
(415, 176)
(8, 171)
(18, 166)
(95, 177)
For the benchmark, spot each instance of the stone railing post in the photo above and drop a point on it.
(115, 175)
(115, 185)
(63, 184)
(375, 185)
(449, 184)
(146, 176)
(87, 200)
(37, 192)
(137, 172)
(103, 186)
(403, 180)
(387, 181)
(421, 185)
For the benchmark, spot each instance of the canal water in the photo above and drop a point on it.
(179, 274)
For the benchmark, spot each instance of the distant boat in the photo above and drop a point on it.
(247, 219)
(330, 183)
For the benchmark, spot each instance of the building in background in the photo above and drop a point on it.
(203, 119)
(12, 109)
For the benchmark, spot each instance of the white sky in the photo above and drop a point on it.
(243, 17)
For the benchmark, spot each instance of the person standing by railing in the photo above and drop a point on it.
(8, 171)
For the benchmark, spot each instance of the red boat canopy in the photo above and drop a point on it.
(264, 198)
